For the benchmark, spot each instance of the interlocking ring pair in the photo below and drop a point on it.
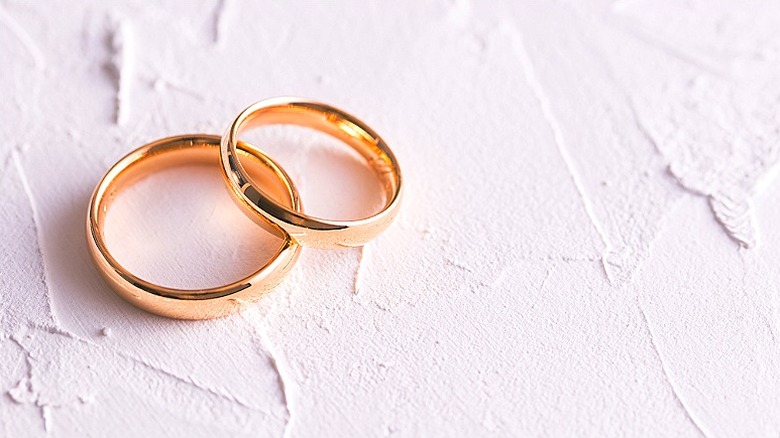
(261, 188)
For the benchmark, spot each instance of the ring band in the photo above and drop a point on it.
(307, 230)
(178, 303)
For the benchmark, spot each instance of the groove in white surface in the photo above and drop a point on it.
(530, 75)
(120, 66)
(24, 38)
(677, 396)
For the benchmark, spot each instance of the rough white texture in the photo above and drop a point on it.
(588, 244)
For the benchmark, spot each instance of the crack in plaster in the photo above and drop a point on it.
(281, 371)
(504, 272)
(118, 66)
(283, 386)
(665, 372)
(767, 319)
(28, 192)
(359, 270)
(547, 275)
(638, 124)
(458, 265)
(189, 381)
(160, 84)
(533, 82)
(39, 62)
(663, 46)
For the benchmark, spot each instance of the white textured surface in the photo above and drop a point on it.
(589, 243)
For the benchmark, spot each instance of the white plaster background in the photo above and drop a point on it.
(589, 244)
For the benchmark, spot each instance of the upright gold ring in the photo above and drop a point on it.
(308, 230)
(178, 303)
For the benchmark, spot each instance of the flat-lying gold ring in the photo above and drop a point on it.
(178, 303)
(308, 230)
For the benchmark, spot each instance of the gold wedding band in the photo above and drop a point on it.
(308, 230)
(178, 303)
(264, 192)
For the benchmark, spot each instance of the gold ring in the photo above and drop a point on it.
(178, 303)
(307, 230)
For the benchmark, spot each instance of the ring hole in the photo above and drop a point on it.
(335, 182)
(179, 228)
